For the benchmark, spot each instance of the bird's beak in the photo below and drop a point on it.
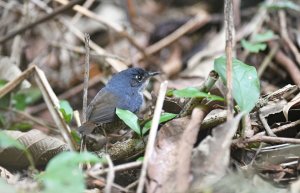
(153, 73)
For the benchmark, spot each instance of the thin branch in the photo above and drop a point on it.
(197, 21)
(269, 139)
(285, 35)
(53, 105)
(229, 27)
(152, 135)
(115, 27)
(86, 77)
(110, 176)
(13, 84)
(39, 21)
(121, 167)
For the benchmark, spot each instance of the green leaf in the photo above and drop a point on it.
(66, 110)
(163, 118)
(192, 92)
(282, 5)
(246, 87)
(75, 136)
(7, 141)
(130, 119)
(63, 174)
(263, 37)
(21, 126)
(19, 101)
(140, 158)
(253, 47)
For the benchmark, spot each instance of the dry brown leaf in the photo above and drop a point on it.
(211, 158)
(286, 108)
(162, 164)
(41, 147)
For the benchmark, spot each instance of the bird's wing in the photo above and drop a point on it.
(102, 108)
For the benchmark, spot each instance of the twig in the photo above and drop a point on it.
(34, 119)
(285, 35)
(13, 84)
(266, 125)
(117, 65)
(39, 21)
(117, 28)
(288, 64)
(267, 60)
(110, 176)
(53, 106)
(78, 15)
(229, 27)
(86, 77)
(119, 167)
(152, 135)
(269, 139)
(280, 128)
(197, 21)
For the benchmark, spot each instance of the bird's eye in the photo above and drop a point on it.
(139, 78)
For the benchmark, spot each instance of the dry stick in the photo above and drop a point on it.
(269, 139)
(267, 60)
(280, 128)
(197, 21)
(110, 176)
(39, 21)
(85, 85)
(229, 27)
(53, 106)
(71, 92)
(285, 36)
(289, 65)
(78, 15)
(118, 29)
(13, 84)
(86, 77)
(118, 66)
(119, 167)
(152, 134)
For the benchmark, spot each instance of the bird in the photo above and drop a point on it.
(125, 91)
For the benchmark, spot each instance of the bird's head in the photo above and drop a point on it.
(134, 78)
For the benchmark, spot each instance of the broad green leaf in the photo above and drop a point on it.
(140, 158)
(192, 92)
(163, 118)
(7, 141)
(283, 4)
(19, 101)
(32, 94)
(253, 47)
(21, 126)
(246, 87)
(130, 119)
(263, 37)
(75, 136)
(63, 174)
(66, 110)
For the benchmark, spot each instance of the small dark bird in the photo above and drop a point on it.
(124, 91)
